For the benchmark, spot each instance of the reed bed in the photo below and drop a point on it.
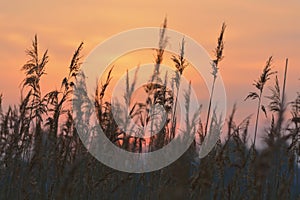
(42, 156)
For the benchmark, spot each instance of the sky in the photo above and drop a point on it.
(255, 30)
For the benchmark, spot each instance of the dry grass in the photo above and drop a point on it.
(42, 157)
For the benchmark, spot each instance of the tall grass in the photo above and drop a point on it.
(260, 84)
(42, 156)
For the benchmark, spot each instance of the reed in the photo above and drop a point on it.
(42, 156)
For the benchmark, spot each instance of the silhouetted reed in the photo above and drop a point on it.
(43, 157)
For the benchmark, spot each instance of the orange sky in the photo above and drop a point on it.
(255, 30)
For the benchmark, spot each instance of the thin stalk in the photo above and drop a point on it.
(174, 113)
(281, 106)
(284, 81)
(257, 116)
(209, 105)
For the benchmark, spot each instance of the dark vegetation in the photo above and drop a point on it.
(42, 156)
